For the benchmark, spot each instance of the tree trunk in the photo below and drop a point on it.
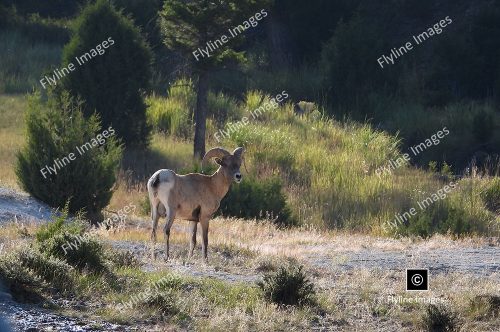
(200, 116)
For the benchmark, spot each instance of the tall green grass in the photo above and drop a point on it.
(328, 169)
(23, 62)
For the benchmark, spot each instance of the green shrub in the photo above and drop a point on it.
(27, 272)
(81, 251)
(441, 217)
(53, 132)
(288, 286)
(491, 195)
(111, 83)
(51, 269)
(439, 318)
(163, 301)
(68, 241)
(57, 225)
(258, 199)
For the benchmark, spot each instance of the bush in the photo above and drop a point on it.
(439, 318)
(440, 217)
(258, 199)
(81, 251)
(27, 272)
(491, 196)
(53, 132)
(163, 301)
(288, 286)
(56, 226)
(110, 83)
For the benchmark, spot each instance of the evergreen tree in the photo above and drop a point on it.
(45, 167)
(193, 24)
(112, 67)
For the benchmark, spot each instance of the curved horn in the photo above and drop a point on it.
(238, 152)
(213, 153)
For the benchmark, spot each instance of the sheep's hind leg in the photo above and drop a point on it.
(194, 226)
(155, 216)
(166, 230)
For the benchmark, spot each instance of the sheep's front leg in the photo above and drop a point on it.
(204, 228)
(194, 227)
(166, 230)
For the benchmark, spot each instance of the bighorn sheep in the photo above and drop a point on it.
(194, 197)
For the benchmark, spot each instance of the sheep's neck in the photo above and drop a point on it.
(220, 183)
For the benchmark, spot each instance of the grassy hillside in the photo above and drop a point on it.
(330, 169)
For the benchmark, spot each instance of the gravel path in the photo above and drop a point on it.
(21, 317)
(19, 207)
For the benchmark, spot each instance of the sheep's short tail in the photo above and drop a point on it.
(156, 181)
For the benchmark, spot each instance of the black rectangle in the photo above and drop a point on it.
(417, 279)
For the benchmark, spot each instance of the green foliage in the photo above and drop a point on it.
(173, 115)
(288, 286)
(111, 82)
(52, 132)
(222, 108)
(53, 8)
(81, 251)
(491, 195)
(464, 141)
(310, 23)
(57, 224)
(444, 217)
(348, 75)
(68, 242)
(258, 199)
(26, 272)
(189, 25)
(35, 56)
(163, 301)
(440, 318)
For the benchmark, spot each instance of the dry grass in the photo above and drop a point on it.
(348, 300)
(11, 135)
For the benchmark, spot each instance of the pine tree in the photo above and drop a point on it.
(112, 63)
(189, 25)
(54, 131)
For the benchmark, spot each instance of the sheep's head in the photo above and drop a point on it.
(229, 162)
